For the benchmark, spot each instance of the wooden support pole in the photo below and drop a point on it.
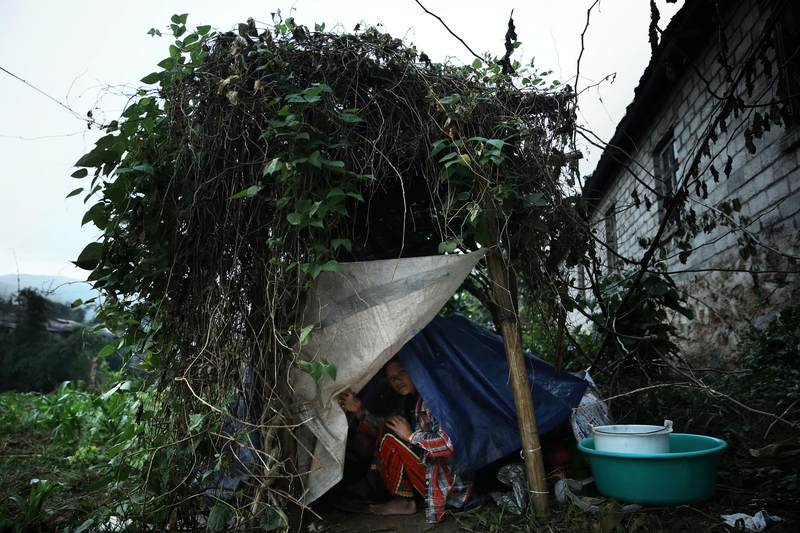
(520, 385)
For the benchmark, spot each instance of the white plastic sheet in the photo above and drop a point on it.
(761, 521)
(364, 315)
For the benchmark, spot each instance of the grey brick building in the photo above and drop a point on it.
(708, 49)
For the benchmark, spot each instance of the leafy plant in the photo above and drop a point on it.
(642, 335)
(31, 509)
(770, 359)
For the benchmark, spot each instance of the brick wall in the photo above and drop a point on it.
(766, 183)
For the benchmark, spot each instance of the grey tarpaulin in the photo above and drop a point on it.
(364, 315)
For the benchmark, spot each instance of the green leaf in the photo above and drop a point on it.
(76, 192)
(497, 143)
(273, 166)
(218, 517)
(351, 118)
(477, 63)
(179, 19)
(107, 350)
(356, 195)
(195, 421)
(328, 368)
(302, 98)
(311, 368)
(89, 258)
(121, 386)
(80, 173)
(315, 159)
(449, 246)
(448, 100)
(96, 214)
(438, 146)
(448, 157)
(247, 193)
(167, 63)
(331, 266)
(343, 243)
(334, 164)
(76, 303)
(294, 218)
(202, 30)
(151, 361)
(145, 168)
(107, 151)
(316, 369)
(153, 77)
(305, 332)
(320, 88)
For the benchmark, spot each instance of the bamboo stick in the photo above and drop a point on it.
(523, 400)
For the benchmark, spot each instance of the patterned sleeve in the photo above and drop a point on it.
(432, 438)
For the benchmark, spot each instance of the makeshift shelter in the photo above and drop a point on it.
(268, 162)
(371, 311)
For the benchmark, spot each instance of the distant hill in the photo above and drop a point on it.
(56, 288)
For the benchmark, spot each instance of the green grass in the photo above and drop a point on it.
(55, 451)
(34, 456)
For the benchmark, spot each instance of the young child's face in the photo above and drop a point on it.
(399, 379)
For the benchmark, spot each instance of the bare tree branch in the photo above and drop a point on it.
(437, 17)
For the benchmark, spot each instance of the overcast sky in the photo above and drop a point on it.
(74, 50)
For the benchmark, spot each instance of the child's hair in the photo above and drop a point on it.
(394, 359)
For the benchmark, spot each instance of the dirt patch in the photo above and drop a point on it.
(365, 523)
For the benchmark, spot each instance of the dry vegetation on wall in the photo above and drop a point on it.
(266, 156)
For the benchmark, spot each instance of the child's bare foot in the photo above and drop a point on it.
(396, 506)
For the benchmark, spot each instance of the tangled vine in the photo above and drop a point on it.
(261, 159)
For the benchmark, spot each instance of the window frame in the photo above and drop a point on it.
(666, 185)
(787, 58)
(611, 236)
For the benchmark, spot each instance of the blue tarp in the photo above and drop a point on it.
(460, 371)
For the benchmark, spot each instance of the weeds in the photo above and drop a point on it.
(31, 510)
(83, 437)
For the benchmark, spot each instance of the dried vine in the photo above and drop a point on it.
(267, 156)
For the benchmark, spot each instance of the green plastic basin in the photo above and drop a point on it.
(687, 474)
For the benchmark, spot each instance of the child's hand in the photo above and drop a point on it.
(400, 426)
(351, 403)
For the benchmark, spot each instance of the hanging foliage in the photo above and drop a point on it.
(261, 158)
